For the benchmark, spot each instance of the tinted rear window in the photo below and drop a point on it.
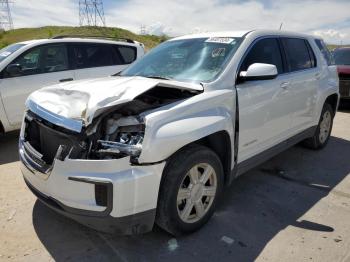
(128, 53)
(324, 50)
(92, 55)
(299, 54)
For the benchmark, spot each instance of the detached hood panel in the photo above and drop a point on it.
(80, 101)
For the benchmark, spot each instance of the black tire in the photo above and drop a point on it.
(174, 174)
(315, 142)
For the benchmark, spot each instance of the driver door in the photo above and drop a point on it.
(264, 108)
(40, 66)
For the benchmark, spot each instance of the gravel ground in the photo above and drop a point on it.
(295, 207)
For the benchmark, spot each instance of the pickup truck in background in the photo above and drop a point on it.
(31, 65)
(161, 140)
(342, 60)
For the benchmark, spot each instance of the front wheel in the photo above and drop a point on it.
(323, 131)
(190, 188)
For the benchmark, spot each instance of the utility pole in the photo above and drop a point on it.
(6, 22)
(91, 13)
(281, 26)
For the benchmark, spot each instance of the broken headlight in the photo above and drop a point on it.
(123, 137)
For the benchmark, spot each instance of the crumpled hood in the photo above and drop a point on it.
(81, 100)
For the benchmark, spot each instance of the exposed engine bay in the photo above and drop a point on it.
(118, 132)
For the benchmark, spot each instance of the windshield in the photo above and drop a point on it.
(342, 56)
(6, 51)
(192, 60)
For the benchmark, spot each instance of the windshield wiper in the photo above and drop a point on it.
(117, 74)
(157, 77)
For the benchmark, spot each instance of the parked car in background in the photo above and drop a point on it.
(161, 141)
(342, 60)
(31, 65)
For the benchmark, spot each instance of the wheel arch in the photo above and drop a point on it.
(2, 129)
(220, 143)
(332, 100)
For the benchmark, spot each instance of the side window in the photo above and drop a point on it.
(92, 55)
(128, 53)
(325, 52)
(42, 59)
(264, 51)
(298, 54)
(30, 61)
(55, 59)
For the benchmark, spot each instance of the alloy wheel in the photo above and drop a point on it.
(196, 193)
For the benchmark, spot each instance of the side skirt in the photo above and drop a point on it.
(256, 160)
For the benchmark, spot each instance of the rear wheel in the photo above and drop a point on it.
(324, 129)
(191, 185)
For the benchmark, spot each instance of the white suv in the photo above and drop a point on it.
(160, 141)
(31, 65)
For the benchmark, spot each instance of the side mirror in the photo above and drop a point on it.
(14, 70)
(259, 71)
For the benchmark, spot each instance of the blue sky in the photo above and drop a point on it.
(327, 18)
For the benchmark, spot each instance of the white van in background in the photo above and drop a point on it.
(31, 65)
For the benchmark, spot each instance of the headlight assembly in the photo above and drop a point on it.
(126, 140)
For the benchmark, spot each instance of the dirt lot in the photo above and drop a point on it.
(295, 207)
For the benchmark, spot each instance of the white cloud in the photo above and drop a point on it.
(158, 29)
(34, 13)
(176, 17)
(211, 15)
(332, 35)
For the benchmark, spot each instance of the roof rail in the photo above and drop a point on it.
(94, 37)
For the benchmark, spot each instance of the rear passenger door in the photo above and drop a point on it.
(303, 81)
(93, 60)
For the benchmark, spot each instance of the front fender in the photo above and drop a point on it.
(167, 133)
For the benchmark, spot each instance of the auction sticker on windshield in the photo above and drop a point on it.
(221, 40)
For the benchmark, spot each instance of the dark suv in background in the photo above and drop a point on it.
(342, 60)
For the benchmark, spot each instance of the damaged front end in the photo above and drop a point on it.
(116, 132)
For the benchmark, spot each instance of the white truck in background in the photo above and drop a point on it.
(30, 65)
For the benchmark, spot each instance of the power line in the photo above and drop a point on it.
(91, 13)
(6, 22)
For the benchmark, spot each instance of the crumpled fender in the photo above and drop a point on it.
(169, 130)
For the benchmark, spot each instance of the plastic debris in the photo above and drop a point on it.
(227, 240)
(12, 214)
(172, 244)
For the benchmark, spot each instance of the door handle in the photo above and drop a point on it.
(318, 76)
(66, 80)
(285, 85)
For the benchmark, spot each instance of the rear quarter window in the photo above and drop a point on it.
(325, 52)
(127, 53)
(299, 54)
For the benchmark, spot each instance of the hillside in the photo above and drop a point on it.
(22, 34)
(332, 47)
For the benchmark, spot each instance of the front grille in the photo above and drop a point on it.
(46, 140)
(344, 76)
(344, 87)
